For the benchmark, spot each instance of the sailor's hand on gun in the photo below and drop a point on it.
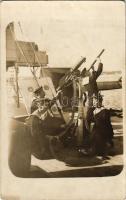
(99, 59)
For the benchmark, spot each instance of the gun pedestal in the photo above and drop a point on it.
(81, 116)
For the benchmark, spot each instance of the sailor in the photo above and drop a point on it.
(37, 122)
(97, 102)
(38, 94)
(43, 123)
(102, 132)
(92, 86)
(92, 94)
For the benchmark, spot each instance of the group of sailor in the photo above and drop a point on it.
(101, 135)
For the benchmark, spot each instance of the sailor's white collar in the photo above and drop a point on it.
(41, 115)
(97, 110)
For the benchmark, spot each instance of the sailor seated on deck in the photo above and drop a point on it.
(38, 124)
(42, 124)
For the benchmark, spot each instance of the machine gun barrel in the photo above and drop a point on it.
(79, 64)
(68, 76)
(96, 59)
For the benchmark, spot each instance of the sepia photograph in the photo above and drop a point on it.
(63, 97)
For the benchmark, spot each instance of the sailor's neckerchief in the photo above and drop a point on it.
(35, 98)
(42, 114)
(97, 110)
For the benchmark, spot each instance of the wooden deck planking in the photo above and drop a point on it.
(54, 165)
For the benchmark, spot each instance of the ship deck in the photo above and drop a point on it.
(76, 165)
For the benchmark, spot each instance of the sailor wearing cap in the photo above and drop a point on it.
(39, 91)
(38, 94)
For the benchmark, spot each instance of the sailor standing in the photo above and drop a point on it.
(92, 86)
(102, 132)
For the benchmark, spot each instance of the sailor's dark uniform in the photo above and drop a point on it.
(92, 86)
(38, 126)
(43, 124)
(102, 132)
(34, 105)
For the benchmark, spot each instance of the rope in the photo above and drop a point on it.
(59, 109)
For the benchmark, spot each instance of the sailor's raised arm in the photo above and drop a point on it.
(99, 70)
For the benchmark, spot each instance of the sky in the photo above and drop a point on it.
(69, 30)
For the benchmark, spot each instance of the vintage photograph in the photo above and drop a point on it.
(65, 118)
(64, 74)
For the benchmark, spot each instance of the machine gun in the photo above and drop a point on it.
(96, 59)
(70, 75)
(67, 77)
(81, 108)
